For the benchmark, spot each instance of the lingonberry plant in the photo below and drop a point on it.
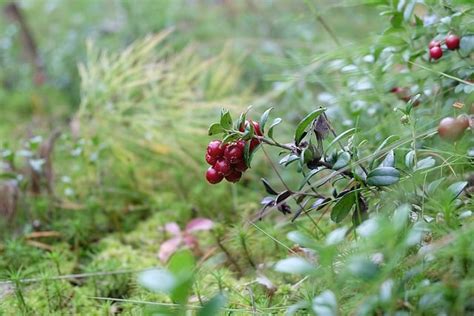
(336, 163)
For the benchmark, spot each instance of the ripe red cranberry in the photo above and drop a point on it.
(213, 176)
(234, 176)
(452, 42)
(240, 166)
(211, 159)
(215, 149)
(436, 52)
(256, 127)
(452, 129)
(434, 43)
(254, 143)
(223, 167)
(234, 152)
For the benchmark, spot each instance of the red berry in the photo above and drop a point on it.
(234, 176)
(235, 152)
(254, 143)
(452, 42)
(434, 43)
(213, 176)
(452, 129)
(215, 149)
(463, 120)
(256, 128)
(223, 167)
(240, 166)
(211, 159)
(397, 90)
(436, 52)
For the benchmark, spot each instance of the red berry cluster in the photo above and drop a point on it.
(452, 43)
(227, 160)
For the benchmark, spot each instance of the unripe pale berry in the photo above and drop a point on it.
(451, 129)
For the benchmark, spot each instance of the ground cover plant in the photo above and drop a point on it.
(238, 158)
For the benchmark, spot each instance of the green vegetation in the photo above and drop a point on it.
(347, 126)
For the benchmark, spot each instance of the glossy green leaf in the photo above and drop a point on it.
(342, 160)
(343, 206)
(344, 134)
(213, 306)
(294, 265)
(305, 122)
(226, 119)
(215, 129)
(272, 126)
(426, 163)
(383, 176)
(456, 188)
(389, 160)
(263, 119)
(379, 149)
(268, 187)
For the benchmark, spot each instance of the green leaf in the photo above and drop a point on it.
(268, 187)
(363, 268)
(230, 138)
(359, 173)
(226, 119)
(288, 159)
(304, 123)
(157, 280)
(379, 149)
(294, 265)
(396, 20)
(456, 188)
(389, 160)
(182, 265)
(283, 196)
(466, 45)
(426, 163)
(247, 154)
(213, 306)
(274, 123)
(347, 133)
(343, 206)
(342, 160)
(383, 176)
(301, 239)
(308, 177)
(215, 129)
(407, 13)
(263, 119)
(410, 159)
(241, 122)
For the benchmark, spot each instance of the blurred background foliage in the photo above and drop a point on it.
(104, 127)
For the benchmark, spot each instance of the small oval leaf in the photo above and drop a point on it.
(304, 123)
(383, 176)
